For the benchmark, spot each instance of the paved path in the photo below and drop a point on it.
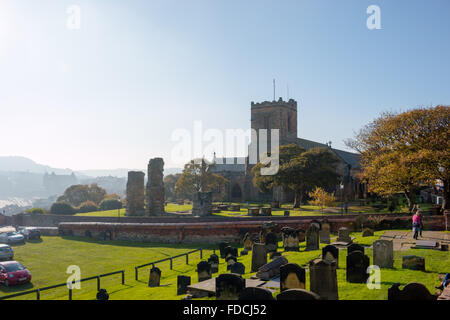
(403, 240)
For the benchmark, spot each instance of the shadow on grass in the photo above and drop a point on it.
(35, 240)
(16, 289)
(140, 244)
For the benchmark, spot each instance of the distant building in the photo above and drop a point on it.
(56, 184)
(282, 115)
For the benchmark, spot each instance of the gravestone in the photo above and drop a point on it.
(323, 279)
(290, 239)
(259, 256)
(229, 286)
(230, 261)
(256, 293)
(324, 233)
(230, 251)
(331, 253)
(287, 213)
(155, 187)
(271, 243)
(317, 223)
(301, 235)
(102, 294)
(155, 277)
(292, 276)
(135, 193)
(265, 211)
(367, 232)
(297, 294)
(271, 269)
(238, 268)
(355, 247)
(344, 235)
(204, 271)
(312, 237)
(182, 283)
(253, 212)
(413, 263)
(222, 247)
(383, 253)
(202, 204)
(357, 264)
(248, 243)
(412, 291)
(213, 260)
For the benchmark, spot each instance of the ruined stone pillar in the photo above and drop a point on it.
(155, 187)
(135, 193)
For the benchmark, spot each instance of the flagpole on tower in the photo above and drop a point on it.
(273, 89)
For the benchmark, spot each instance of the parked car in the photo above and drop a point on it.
(30, 233)
(6, 252)
(11, 238)
(12, 272)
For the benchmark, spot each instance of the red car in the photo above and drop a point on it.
(12, 272)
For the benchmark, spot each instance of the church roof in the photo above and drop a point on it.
(348, 157)
(236, 164)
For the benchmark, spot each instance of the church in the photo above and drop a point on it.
(282, 115)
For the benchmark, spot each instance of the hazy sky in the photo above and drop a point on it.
(110, 94)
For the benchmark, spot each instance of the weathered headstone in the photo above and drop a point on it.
(297, 294)
(413, 263)
(271, 243)
(230, 251)
(412, 291)
(367, 232)
(182, 283)
(355, 247)
(292, 276)
(271, 269)
(230, 261)
(213, 260)
(248, 243)
(290, 239)
(202, 204)
(155, 187)
(312, 237)
(324, 233)
(238, 268)
(229, 286)
(331, 253)
(323, 279)
(155, 277)
(135, 193)
(222, 247)
(265, 211)
(344, 235)
(357, 264)
(102, 294)
(256, 293)
(301, 235)
(287, 213)
(383, 253)
(204, 271)
(259, 256)
(253, 212)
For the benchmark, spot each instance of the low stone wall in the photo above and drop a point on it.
(2, 220)
(211, 231)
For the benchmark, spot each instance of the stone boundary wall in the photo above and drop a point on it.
(208, 231)
(2, 220)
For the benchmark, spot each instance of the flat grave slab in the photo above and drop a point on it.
(209, 286)
(426, 244)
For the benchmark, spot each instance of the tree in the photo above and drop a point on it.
(321, 198)
(198, 175)
(88, 206)
(402, 151)
(300, 171)
(77, 194)
(169, 185)
(110, 204)
(62, 208)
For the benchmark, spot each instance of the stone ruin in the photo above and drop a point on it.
(202, 204)
(155, 187)
(135, 193)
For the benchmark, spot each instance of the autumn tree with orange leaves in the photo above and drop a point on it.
(402, 151)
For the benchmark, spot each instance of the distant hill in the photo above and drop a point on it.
(22, 164)
(121, 173)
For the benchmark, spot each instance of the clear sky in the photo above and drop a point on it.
(110, 95)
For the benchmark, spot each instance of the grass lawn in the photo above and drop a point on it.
(49, 259)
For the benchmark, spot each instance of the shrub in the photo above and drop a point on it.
(110, 204)
(36, 211)
(88, 206)
(62, 208)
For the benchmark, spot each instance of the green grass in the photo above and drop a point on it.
(170, 207)
(49, 259)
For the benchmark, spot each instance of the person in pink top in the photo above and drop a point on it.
(417, 222)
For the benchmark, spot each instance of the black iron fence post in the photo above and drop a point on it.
(38, 294)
